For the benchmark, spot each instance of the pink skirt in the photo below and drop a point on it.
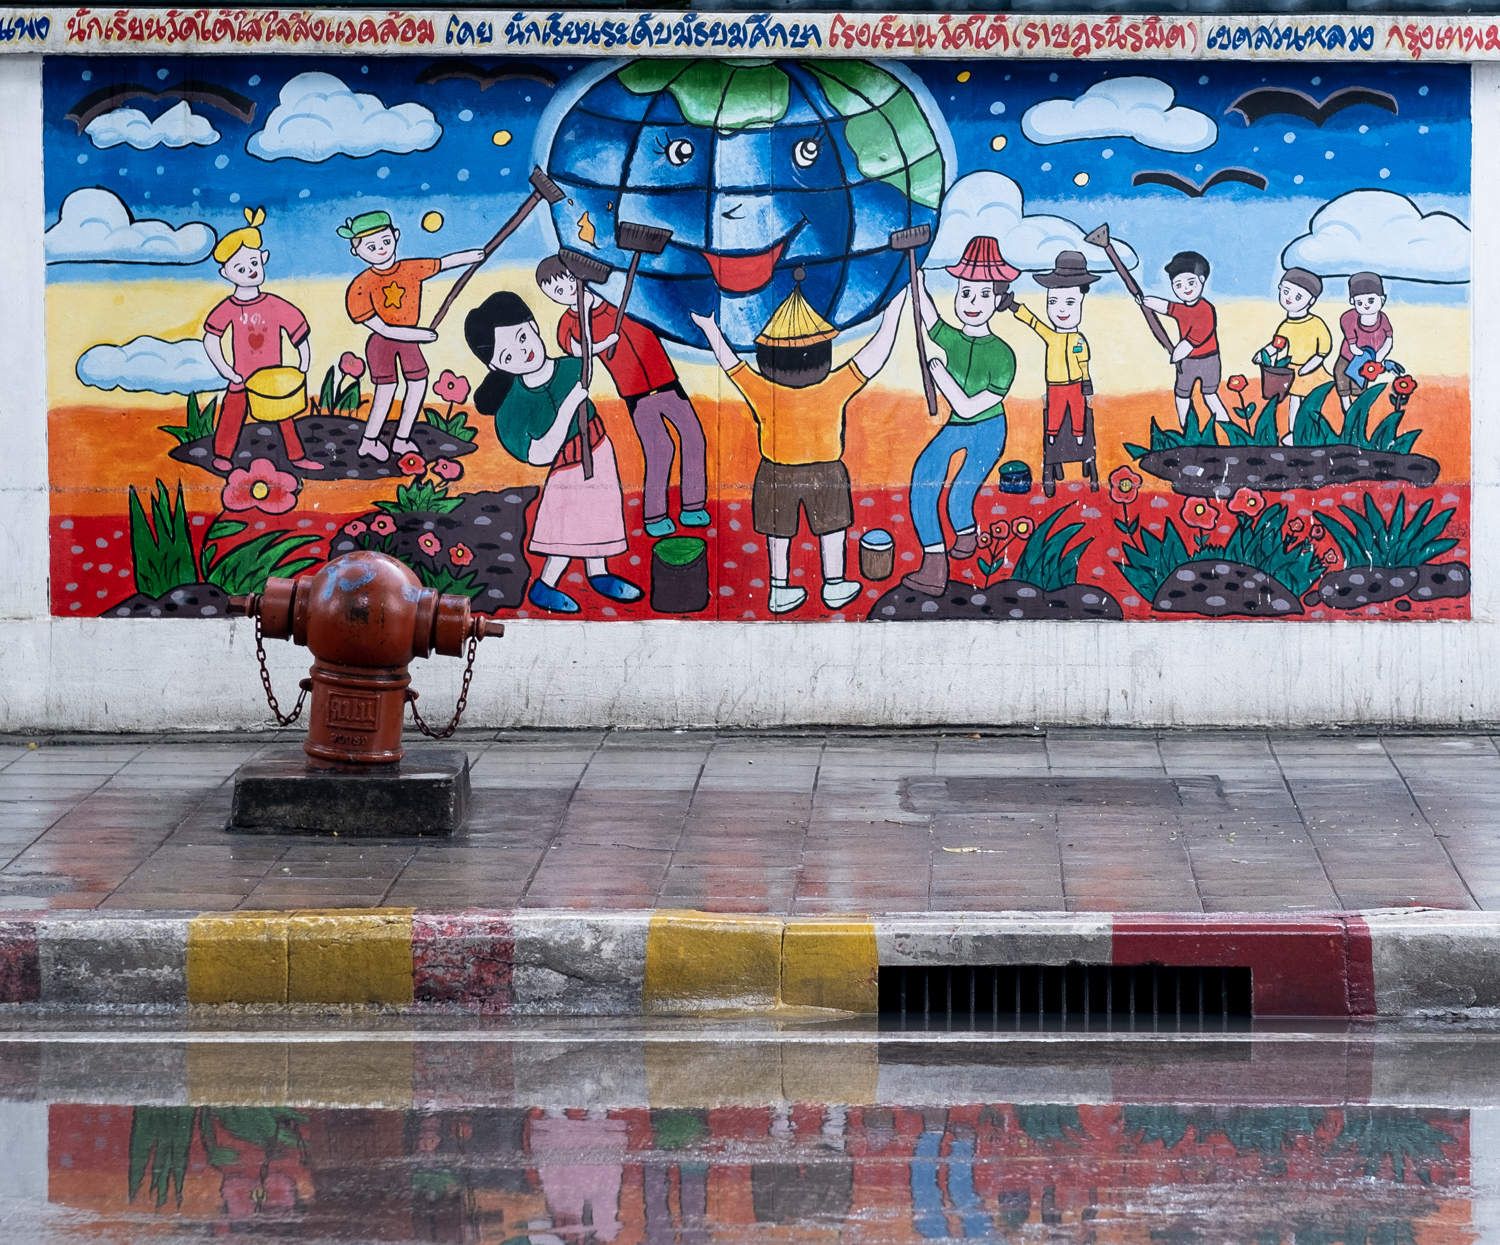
(578, 518)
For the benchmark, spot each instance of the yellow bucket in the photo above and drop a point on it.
(276, 393)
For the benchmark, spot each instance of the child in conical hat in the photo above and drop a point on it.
(254, 322)
(798, 400)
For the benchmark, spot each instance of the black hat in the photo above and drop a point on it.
(1068, 269)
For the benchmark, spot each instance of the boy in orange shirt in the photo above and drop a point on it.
(387, 296)
(798, 404)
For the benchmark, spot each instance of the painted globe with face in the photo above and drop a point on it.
(756, 168)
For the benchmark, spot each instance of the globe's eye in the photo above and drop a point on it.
(679, 151)
(805, 152)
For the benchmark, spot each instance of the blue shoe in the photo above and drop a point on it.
(615, 588)
(660, 527)
(695, 518)
(545, 597)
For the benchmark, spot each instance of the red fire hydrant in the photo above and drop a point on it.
(364, 616)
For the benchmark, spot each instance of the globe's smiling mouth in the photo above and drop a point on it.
(744, 274)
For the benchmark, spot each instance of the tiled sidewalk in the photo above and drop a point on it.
(790, 823)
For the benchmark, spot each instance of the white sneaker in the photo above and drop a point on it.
(839, 592)
(402, 446)
(374, 449)
(784, 600)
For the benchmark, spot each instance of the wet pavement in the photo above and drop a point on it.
(794, 823)
(330, 1130)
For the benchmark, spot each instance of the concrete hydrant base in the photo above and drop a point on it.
(426, 794)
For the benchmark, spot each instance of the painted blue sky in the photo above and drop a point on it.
(1422, 152)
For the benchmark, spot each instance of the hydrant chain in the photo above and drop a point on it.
(282, 719)
(463, 697)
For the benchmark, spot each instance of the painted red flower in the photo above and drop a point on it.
(1236, 383)
(1405, 384)
(1247, 502)
(451, 388)
(351, 365)
(1000, 530)
(429, 544)
(1023, 527)
(261, 487)
(1124, 486)
(1371, 370)
(447, 468)
(1316, 532)
(355, 528)
(383, 525)
(460, 555)
(412, 464)
(1200, 513)
(984, 537)
(1279, 342)
(1330, 558)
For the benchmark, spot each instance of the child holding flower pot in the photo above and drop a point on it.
(1301, 344)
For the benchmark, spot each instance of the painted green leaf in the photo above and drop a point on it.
(723, 95)
(854, 86)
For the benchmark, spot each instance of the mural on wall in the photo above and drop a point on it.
(763, 339)
(802, 1170)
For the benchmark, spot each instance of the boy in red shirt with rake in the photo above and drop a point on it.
(1197, 351)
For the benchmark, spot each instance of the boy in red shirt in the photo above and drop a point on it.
(387, 297)
(653, 395)
(254, 321)
(1197, 351)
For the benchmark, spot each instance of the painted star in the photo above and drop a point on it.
(393, 294)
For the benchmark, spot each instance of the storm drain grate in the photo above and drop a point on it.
(1024, 997)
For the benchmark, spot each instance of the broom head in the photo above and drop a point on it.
(584, 267)
(645, 239)
(911, 239)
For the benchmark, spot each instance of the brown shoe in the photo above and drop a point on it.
(931, 578)
(965, 546)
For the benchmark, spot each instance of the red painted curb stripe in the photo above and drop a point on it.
(463, 959)
(20, 964)
(1300, 964)
(1361, 953)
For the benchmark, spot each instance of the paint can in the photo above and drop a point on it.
(679, 575)
(1015, 477)
(276, 393)
(877, 554)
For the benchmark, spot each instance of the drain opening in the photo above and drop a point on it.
(1043, 995)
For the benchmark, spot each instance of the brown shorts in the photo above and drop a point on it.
(821, 489)
(1344, 384)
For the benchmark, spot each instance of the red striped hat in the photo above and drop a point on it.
(982, 261)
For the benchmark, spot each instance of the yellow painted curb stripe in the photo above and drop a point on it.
(703, 961)
(350, 955)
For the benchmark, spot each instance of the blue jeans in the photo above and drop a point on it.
(930, 1213)
(982, 445)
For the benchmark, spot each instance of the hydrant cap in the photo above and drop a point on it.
(362, 610)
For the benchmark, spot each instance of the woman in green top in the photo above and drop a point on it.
(539, 421)
(975, 379)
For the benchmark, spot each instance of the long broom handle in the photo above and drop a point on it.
(635, 262)
(929, 386)
(1136, 292)
(586, 378)
(528, 205)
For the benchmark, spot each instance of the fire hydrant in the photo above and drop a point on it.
(364, 616)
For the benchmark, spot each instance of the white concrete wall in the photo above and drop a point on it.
(97, 674)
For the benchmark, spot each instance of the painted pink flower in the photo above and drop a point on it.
(429, 544)
(1330, 558)
(451, 388)
(1200, 513)
(383, 525)
(356, 528)
(447, 468)
(351, 365)
(460, 555)
(1247, 502)
(412, 464)
(1295, 526)
(1316, 532)
(261, 487)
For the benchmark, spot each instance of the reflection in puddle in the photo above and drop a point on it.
(1272, 1175)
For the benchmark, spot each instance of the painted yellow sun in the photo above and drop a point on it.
(997, 143)
(432, 222)
(1080, 179)
(501, 138)
(964, 77)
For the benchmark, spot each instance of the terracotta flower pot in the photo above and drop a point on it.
(1275, 382)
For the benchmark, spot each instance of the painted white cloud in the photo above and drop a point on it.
(992, 204)
(1138, 108)
(319, 117)
(1385, 232)
(179, 126)
(95, 226)
(151, 365)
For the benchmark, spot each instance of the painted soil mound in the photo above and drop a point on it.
(1220, 470)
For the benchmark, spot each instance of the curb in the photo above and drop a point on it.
(542, 962)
